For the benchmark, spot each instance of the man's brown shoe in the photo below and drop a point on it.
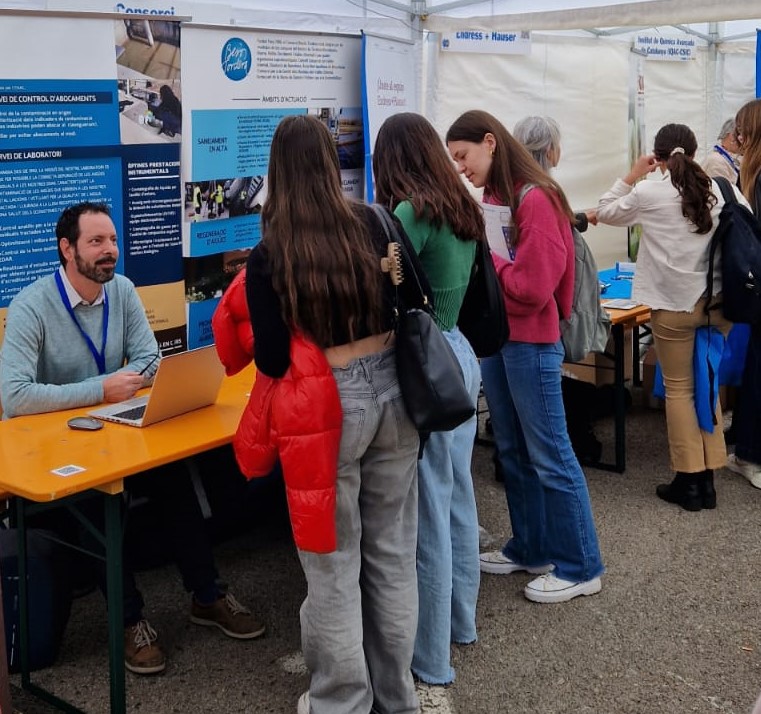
(142, 652)
(228, 615)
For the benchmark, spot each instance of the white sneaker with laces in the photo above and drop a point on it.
(303, 705)
(751, 471)
(549, 588)
(496, 563)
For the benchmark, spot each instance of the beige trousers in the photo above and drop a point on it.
(691, 449)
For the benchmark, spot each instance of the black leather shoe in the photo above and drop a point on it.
(707, 491)
(684, 491)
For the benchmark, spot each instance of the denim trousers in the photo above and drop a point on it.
(359, 617)
(746, 419)
(547, 496)
(447, 542)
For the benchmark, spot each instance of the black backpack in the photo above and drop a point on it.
(483, 319)
(739, 235)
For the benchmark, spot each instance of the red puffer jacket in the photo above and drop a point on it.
(297, 418)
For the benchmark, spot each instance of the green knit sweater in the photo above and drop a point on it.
(447, 261)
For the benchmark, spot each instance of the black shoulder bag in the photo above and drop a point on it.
(431, 381)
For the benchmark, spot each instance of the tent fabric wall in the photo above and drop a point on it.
(584, 84)
(592, 110)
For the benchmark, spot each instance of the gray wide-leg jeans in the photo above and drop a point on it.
(359, 618)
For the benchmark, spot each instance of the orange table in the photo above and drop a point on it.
(622, 320)
(31, 447)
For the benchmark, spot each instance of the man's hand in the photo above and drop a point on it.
(121, 386)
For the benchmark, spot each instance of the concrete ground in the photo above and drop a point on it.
(676, 628)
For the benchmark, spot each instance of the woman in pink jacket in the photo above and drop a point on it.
(554, 534)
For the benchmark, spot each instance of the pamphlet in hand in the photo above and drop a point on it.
(499, 230)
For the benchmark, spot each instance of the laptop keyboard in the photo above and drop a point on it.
(135, 413)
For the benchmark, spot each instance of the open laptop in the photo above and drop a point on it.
(184, 381)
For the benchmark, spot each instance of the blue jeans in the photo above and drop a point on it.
(359, 618)
(547, 495)
(447, 542)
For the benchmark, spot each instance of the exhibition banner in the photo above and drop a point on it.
(389, 86)
(82, 121)
(758, 64)
(238, 85)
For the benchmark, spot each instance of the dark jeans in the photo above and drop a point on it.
(746, 421)
(182, 527)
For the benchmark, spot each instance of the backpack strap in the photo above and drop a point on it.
(726, 189)
(729, 197)
(522, 193)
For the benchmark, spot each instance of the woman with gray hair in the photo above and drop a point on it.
(541, 136)
(724, 159)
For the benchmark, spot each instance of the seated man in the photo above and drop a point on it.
(80, 337)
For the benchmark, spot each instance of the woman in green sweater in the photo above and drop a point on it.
(415, 178)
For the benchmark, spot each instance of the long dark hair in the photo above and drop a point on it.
(676, 145)
(411, 164)
(323, 265)
(511, 162)
(748, 121)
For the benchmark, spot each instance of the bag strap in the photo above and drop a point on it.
(718, 237)
(392, 235)
(726, 189)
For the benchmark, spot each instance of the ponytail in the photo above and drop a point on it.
(676, 145)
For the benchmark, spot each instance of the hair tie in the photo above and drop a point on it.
(676, 150)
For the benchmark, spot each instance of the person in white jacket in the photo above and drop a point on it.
(679, 212)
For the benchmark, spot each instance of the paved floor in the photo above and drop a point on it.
(676, 628)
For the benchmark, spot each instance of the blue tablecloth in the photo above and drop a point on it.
(614, 284)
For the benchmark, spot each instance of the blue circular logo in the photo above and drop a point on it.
(236, 59)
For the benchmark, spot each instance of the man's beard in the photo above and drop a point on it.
(101, 271)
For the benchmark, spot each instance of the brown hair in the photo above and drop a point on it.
(511, 162)
(411, 164)
(749, 126)
(676, 145)
(68, 223)
(323, 265)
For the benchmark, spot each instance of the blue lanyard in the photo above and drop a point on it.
(100, 356)
(727, 156)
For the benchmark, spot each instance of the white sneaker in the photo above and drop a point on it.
(303, 706)
(751, 471)
(496, 563)
(549, 588)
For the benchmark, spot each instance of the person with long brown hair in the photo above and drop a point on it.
(550, 510)
(415, 178)
(679, 215)
(746, 420)
(317, 273)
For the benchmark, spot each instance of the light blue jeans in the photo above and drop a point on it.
(447, 545)
(547, 496)
(359, 618)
